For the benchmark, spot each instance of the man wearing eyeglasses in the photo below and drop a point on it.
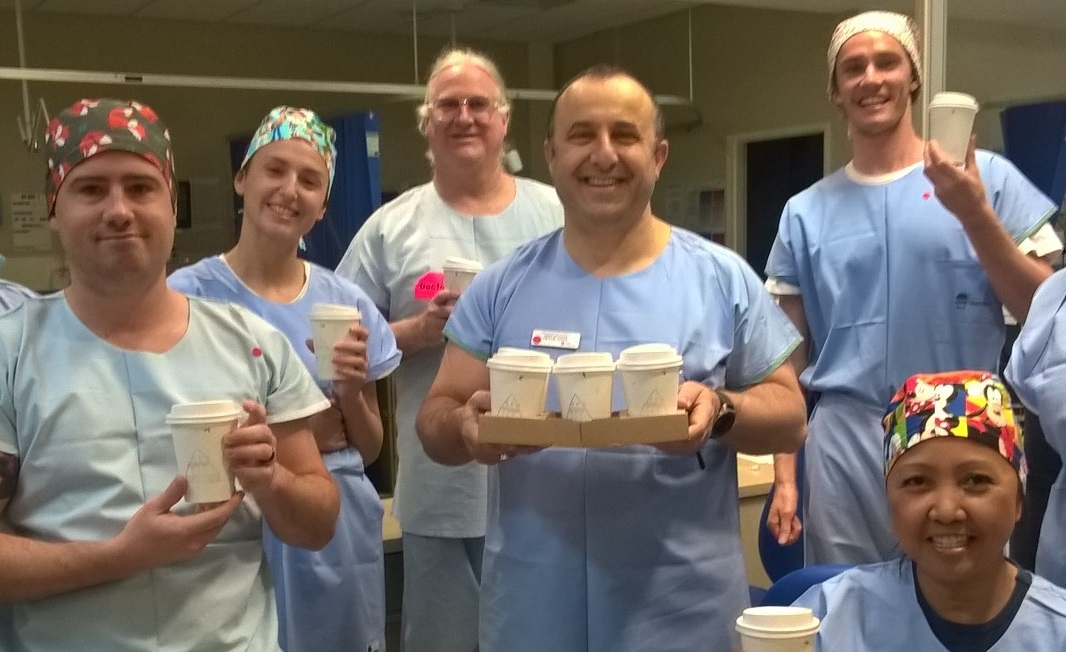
(472, 209)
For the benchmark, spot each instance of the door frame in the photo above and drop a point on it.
(736, 175)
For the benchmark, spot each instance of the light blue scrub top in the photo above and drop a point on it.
(86, 420)
(891, 286)
(875, 609)
(625, 548)
(1037, 372)
(890, 282)
(12, 294)
(397, 258)
(333, 598)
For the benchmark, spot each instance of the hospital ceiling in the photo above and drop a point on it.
(509, 20)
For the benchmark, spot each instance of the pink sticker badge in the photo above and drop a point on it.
(429, 285)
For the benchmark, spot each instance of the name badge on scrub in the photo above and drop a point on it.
(555, 339)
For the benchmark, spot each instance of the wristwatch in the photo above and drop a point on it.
(727, 415)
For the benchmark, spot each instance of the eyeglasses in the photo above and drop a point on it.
(446, 109)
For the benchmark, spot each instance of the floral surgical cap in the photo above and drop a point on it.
(93, 126)
(286, 123)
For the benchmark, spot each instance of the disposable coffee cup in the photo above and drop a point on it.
(518, 383)
(777, 629)
(459, 272)
(650, 376)
(586, 385)
(951, 123)
(329, 324)
(197, 430)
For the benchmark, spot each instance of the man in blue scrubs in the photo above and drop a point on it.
(633, 547)
(898, 263)
(98, 551)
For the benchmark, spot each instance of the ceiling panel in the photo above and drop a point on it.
(288, 12)
(98, 7)
(197, 10)
(510, 20)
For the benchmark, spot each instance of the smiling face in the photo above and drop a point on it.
(114, 217)
(604, 154)
(466, 124)
(284, 188)
(873, 83)
(953, 504)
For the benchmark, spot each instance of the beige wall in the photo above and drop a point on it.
(760, 70)
(202, 120)
(754, 70)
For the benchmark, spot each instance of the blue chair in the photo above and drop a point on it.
(784, 591)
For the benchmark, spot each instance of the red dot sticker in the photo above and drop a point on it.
(257, 352)
(926, 195)
(536, 339)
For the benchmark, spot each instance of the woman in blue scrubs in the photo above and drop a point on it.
(332, 599)
(954, 496)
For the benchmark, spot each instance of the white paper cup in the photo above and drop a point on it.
(650, 378)
(586, 384)
(459, 272)
(518, 383)
(777, 629)
(951, 122)
(329, 324)
(197, 430)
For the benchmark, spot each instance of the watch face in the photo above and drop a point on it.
(726, 416)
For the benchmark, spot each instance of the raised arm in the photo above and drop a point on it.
(281, 467)
(1013, 275)
(356, 398)
(423, 330)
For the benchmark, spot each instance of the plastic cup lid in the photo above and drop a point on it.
(462, 264)
(514, 353)
(781, 621)
(334, 311)
(584, 362)
(958, 100)
(520, 364)
(203, 411)
(644, 356)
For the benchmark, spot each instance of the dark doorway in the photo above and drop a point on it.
(776, 170)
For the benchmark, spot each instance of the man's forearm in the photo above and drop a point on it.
(31, 569)
(440, 427)
(301, 508)
(785, 468)
(770, 418)
(1013, 275)
(411, 336)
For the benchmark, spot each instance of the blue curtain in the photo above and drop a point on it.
(1034, 139)
(356, 186)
